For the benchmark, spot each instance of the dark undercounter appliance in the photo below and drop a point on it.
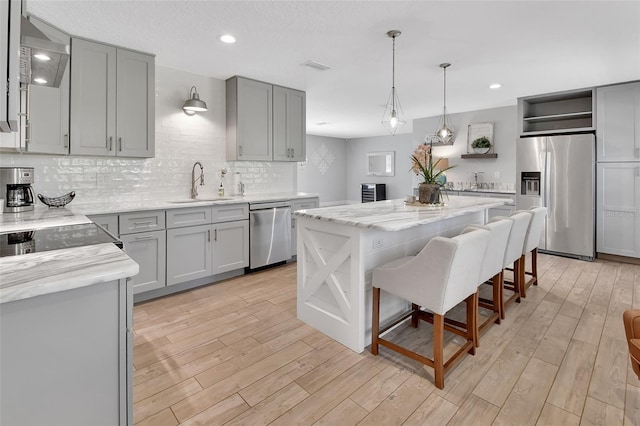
(558, 172)
(269, 233)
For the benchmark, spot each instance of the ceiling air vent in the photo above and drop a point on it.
(316, 65)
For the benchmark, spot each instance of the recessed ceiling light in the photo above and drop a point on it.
(227, 38)
(40, 80)
(495, 86)
(316, 65)
(322, 123)
(42, 57)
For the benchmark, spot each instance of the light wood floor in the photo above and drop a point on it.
(234, 353)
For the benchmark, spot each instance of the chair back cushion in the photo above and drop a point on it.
(517, 236)
(494, 255)
(535, 228)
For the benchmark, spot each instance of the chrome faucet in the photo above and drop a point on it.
(241, 188)
(194, 191)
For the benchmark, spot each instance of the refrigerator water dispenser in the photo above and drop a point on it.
(530, 183)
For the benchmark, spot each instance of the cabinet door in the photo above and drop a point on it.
(48, 107)
(289, 124)
(93, 98)
(135, 117)
(10, 15)
(230, 246)
(618, 122)
(188, 253)
(618, 209)
(148, 250)
(254, 120)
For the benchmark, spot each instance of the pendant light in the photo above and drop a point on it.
(444, 131)
(194, 104)
(393, 116)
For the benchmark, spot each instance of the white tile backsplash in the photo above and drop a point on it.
(181, 140)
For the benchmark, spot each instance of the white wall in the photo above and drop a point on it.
(325, 171)
(181, 140)
(505, 137)
(396, 186)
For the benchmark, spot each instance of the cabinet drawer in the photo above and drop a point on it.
(188, 217)
(131, 223)
(107, 221)
(303, 204)
(230, 212)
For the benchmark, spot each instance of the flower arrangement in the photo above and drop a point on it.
(423, 164)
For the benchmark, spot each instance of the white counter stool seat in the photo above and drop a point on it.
(443, 274)
(491, 271)
(531, 246)
(513, 255)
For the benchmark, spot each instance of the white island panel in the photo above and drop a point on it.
(343, 244)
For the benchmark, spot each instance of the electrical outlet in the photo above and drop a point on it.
(377, 243)
(496, 175)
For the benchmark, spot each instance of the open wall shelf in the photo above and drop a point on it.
(557, 112)
(493, 155)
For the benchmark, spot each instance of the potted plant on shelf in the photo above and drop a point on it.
(482, 145)
(422, 164)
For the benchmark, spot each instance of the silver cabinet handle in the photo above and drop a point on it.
(120, 143)
(146, 222)
(293, 150)
(637, 153)
(144, 237)
(209, 235)
(215, 235)
(66, 140)
(110, 143)
(637, 171)
(240, 151)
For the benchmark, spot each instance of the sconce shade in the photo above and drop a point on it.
(443, 164)
(194, 104)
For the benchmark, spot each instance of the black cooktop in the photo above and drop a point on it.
(47, 239)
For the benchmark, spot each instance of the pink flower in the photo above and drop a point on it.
(421, 153)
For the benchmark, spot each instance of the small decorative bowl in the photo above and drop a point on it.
(57, 201)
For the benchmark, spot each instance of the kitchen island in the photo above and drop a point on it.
(343, 244)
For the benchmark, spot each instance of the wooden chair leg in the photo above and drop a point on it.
(522, 277)
(518, 278)
(472, 322)
(501, 294)
(438, 350)
(415, 314)
(497, 291)
(375, 321)
(534, 265)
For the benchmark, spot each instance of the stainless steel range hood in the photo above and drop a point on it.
(35, 48)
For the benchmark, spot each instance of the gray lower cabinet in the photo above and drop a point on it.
(188, 253)
(230, 246)
(66, 358)
(148, 250)
(107, 221)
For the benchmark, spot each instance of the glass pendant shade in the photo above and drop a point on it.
(393, 116)
(444, 130)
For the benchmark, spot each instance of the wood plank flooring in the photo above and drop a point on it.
(234, 353)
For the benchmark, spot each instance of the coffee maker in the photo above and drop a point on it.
(15, 186)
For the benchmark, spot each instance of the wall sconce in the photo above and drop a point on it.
(194, 104)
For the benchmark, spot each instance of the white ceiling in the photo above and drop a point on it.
(529, 47)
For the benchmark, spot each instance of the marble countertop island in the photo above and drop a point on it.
(396, 215)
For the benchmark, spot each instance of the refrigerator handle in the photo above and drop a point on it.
(547, 182)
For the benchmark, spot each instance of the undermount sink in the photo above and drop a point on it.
(200, 200)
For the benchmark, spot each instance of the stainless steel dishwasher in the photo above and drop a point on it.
(269, 233)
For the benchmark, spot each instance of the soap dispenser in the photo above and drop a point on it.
(221, 190)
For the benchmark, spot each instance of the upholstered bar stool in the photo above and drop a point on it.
(491, 271)
(513, 255)
(531, 243)
(631, 319)
(443, 274)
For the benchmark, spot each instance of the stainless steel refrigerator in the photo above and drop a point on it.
(558, 172)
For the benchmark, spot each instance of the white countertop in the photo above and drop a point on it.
(395, 215)
(110, 208)
(35, 274)
(40, 217)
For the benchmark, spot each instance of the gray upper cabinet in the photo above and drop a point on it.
(47, 108)
(249, 120)
(618, 122)
(289, 124)
(105, 79)
(265, 122)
